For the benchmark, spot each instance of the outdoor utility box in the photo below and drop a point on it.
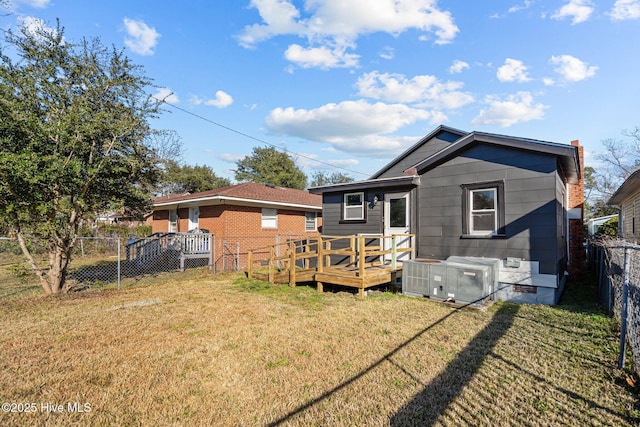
(460, 279)
(491, 282)
(440, 285)
(468, 283)
(415, 277)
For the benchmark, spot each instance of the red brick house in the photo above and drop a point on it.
(241, 217)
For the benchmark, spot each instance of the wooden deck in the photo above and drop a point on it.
(354, 261)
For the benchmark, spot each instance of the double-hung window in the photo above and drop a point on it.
(310, 223)
(483, 215)
(353, 206)
(483, 209)
(269, 218)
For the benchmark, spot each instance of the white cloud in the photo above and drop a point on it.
(222, 100)
(37, 4)
(230, 157)
(387, 53)
(141, 38)
(513, 70)
(458, 66)
(515, 108)
(36, 27)
(423, 90)
(321, 57)
(513, 9)
(164, 94)
(306, 161)
(336, 24)
(625, 9)
(526, 5)
(572, 69)
(353, 126)
(579, 10)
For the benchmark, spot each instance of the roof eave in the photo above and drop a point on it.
(566, 152)
(407, 180)
(628, 187)
(220, 200)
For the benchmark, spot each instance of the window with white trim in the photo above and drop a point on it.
(353, 206)
(483, 213)
(310, 221)
(269, 218)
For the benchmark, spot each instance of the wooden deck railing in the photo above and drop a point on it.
(184, 245)
(319, 255)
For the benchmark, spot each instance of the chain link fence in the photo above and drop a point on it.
(100, 261)
(616, 264)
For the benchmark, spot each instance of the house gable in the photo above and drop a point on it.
(439, 139)
(565, 155)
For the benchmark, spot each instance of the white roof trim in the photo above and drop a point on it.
(220, 200)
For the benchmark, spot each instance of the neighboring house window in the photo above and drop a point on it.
(353, 206)
(269, 218)
(310, 223)
(173, 221)
(483, 209)
(194, 218)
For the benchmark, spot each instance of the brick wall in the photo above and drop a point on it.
(576, 226)
(238, 229)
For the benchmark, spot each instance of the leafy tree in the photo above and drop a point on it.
(73, 125)
(190, 179)
(270, 166)
(321, 178)
(609, 228)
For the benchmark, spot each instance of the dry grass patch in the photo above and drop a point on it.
(199, 349)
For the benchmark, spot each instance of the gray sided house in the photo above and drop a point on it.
(480, 197)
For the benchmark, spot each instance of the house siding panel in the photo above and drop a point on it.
(332, 214)
(530, 216)
(630, 209)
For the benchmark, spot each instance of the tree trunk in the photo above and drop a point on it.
(53, 282)
(58, 265)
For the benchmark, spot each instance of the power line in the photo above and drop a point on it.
(262, 141)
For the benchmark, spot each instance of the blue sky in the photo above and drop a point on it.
(354, 83)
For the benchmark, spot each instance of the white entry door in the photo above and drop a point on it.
(397, 220)
(194, 217)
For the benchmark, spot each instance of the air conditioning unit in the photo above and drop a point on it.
(463, 280)
(415, 278)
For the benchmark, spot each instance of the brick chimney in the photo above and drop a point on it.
(576, 219)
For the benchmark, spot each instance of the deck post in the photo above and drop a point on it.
(327, 260)
(320, 255)
(271, 266)
(361, 293)
(361, 256)
(394, 252)
(250, 266)
(292, 264)
(352, 248)
(210, 247)
(319, 287)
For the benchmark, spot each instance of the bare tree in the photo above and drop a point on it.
(166, 145)
(619, 159)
